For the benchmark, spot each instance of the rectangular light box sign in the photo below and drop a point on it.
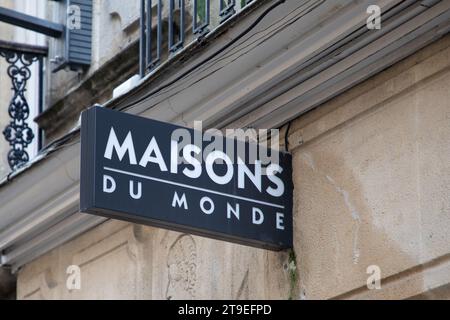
(158, 174)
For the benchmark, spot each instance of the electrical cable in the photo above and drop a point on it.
(212, 56)
(286, 136)
(157, 94)
(232, 53)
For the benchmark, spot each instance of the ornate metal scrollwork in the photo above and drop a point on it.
(18, 133)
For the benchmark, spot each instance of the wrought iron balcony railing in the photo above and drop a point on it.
(168, 26)
(18, 133)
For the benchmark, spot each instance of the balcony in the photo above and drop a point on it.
(21, 59)
(168, 27)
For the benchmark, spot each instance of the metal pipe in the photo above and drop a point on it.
(142, 42)
(171, 7)
(41, 101)
(182, 26)
(159, 31)
(26, 21)
(148, 28)
(24, 48)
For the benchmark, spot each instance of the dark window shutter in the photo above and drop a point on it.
(79, 41)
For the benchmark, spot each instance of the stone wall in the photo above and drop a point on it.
(372, 184)
(123, 261)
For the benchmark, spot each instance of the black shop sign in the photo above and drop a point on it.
(158, 174)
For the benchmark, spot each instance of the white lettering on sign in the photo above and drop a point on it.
(178, 202)
(162, 175)
(190, 154)
(271, 171)
(133, 193)
(234, 211)
(258, 216)
(109, 184)
(121, 149)
(244, 171)
(148, 157)
(196, 170)
(280, 221)
(207, 205)
(211, 159)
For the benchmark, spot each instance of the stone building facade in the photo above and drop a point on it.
(367, 121)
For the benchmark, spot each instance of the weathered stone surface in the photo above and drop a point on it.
(372, 182)
(371, 175)
(120, 260)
